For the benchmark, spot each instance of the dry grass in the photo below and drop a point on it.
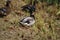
(45, 28)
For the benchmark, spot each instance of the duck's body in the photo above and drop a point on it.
(28, 21)
(31, 7)
(28, 8)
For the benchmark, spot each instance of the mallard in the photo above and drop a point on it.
(30, 7)
(4, 10)
(28, 21)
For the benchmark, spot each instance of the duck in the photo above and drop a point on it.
(4, 10)
(28, 21)
(30, 7)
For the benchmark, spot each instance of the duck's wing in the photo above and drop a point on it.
(26, 19)
(3, 10)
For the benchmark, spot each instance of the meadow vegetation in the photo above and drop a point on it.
(46, 27)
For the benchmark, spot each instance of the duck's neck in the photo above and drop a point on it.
(34, 2)
(7, 3)
(31, 15)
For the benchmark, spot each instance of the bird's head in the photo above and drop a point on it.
(7, 3)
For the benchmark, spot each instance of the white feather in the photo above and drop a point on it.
(31, 20)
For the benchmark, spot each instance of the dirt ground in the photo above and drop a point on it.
(46, 27)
